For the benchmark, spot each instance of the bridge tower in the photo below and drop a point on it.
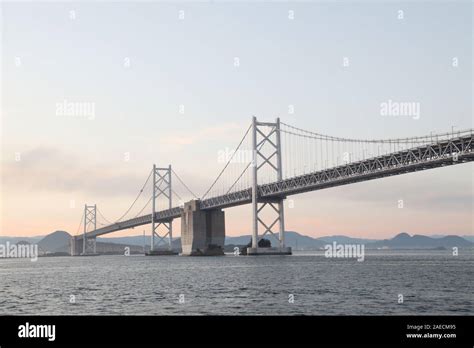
(89, 245)
(267, 134)
(161, 188)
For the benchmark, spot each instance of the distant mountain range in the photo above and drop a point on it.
(301, 242)
(58, 242)
(405, 241)
(469, 238)
(400, 241)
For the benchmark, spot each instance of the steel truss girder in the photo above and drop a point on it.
(449, 152)
(454, 151)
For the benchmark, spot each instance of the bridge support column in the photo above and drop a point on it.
(161, 187)
(270, 156)
(89, 245)
(202, 231)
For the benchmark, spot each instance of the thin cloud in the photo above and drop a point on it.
(201, 135)
(53, 170)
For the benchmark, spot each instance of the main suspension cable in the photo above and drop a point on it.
(416, 140)
(182, 182)
(80, 224)
(136, 199)
(228, 162)
(103, 217)
(149, 200)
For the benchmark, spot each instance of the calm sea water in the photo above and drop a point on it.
(430, 282)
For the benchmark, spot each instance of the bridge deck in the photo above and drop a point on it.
(439, 154)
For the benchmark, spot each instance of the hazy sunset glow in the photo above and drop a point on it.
(164, 90)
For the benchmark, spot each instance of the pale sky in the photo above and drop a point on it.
(138, 62)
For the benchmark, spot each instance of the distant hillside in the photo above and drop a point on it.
(137, 241)
(466, 237)
(132, 240)
(301, 242)
(55, 242)
(14, 240)
(240, 240)
(58, 242)
(469, 238)
(405, 241)
(401, 241)
(292, 239)
(346, 240)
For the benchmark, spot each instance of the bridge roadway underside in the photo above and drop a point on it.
(452, 152)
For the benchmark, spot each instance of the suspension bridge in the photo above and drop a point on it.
(272, 161)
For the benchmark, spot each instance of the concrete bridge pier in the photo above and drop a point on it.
(80, 248)
(202, 231)
(75, 245)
